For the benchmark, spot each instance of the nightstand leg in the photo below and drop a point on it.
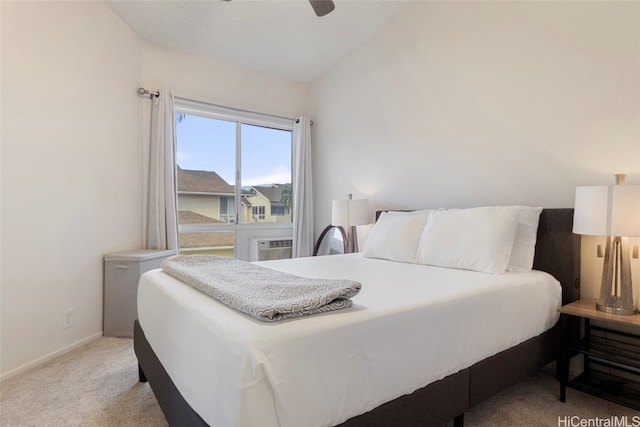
(563, 360)
(587, 343)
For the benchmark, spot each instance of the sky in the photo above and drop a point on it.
(209, 144)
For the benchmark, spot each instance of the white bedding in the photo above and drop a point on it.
(409, 326)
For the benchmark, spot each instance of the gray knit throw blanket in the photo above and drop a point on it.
(265, 294)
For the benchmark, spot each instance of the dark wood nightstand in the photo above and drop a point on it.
(611, 356)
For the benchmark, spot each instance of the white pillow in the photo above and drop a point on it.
(524, 244)
(420, 212)
(395, 236)
(479, 239)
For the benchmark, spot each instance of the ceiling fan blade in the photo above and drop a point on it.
(322, 7)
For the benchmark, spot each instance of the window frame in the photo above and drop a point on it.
(239, 117)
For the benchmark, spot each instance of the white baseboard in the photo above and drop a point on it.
(49, 356)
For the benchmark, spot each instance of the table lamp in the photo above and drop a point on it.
(349, 214)
(612, 211)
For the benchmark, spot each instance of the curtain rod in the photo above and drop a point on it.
(143, 91)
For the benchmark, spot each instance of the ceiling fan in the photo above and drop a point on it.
(322, 7)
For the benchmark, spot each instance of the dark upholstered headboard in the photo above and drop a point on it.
(557, 250)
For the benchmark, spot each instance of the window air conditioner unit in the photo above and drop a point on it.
(270, 248)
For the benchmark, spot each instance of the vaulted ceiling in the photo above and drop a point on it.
(280, 37)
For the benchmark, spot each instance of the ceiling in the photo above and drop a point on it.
(281, 37)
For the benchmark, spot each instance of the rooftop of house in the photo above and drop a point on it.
(207, 239)
(190, 217)
(197, 181)
(273, 193)
(203, 239)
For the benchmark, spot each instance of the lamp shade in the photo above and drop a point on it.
(347, 213)
(607, 210)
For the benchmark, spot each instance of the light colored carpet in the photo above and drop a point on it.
(535, 402)
(97, 385)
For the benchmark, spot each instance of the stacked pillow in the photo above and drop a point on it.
(489, 239)
(395, 236)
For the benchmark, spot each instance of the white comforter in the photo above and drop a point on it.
(409, 326)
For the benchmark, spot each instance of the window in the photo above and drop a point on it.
(257, 213)
(278, 211)
(234, 170)
(227, 210)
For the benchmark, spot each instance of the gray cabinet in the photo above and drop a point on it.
(122, 272)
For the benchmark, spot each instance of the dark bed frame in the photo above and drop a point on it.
(557, 252)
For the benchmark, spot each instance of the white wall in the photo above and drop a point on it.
(209, 80)
(461, 103)
(74, 167)
(70, 169)
(470, 103)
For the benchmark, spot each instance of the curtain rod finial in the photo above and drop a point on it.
(142, 91)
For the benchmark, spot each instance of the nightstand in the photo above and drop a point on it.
(611, 356)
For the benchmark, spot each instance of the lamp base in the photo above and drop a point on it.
(616, 291)
(352, 239)
(615, 310)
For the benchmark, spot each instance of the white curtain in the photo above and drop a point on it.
(302, 189)
(162, 221)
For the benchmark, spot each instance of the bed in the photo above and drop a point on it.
(417, 397)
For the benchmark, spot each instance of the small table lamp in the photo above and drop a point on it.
(612, 211)
(348, 214)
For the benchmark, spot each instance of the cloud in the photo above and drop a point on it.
(182, 158)
(281, 175)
